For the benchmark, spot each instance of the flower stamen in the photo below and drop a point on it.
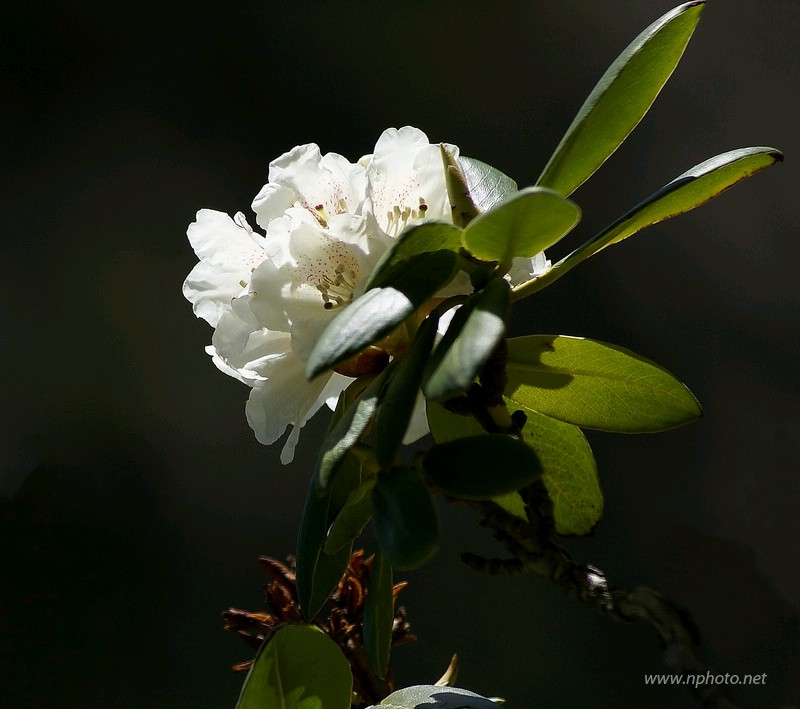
(337, 291)
(398, 219)
(321, 216)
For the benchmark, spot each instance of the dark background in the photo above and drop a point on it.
(134, 499)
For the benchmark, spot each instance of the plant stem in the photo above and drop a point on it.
(534, 548)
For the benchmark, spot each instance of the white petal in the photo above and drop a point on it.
(210, 289)
(246, 348)
(233, 330)
(284, 399)
(323, 185)
(215, 236)
(245, 377)
(264, 297)
(405, 171)
(338, 383)
(228, 252)
(524, 269)
(271, 202)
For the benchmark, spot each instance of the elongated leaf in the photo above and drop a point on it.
(569, 471)
(417, 239)
(351, 422)
(595, 385)
(351, 519)
(393, 416)
(481, 467)
(621, 98)
(526, 223)
(318, 573)
(405, 518)
(472, 336)
(691, 189)
(376, 313)
(298, 667)
(487, 185)
(429, 695)
(379, 615)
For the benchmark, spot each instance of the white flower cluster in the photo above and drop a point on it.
(268, 297)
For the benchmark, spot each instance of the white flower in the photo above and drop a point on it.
(327, 221)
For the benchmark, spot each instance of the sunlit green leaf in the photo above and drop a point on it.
(513, 503)
(595, 385)
(481, 467)
(400, 395)
(405, 518)
(418, 239)
(380, 310)
(691, 189)
(447, 426)
(487, 185)
(621, 98)
(473, 334)
(299, 667)
(524, 224)
(379, 615)
(569, 471)
(429, 695)
(351, 519)
(318, 573)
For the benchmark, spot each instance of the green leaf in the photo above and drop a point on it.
(473, 334)
(319, 573)
(447, 426)
(595, 385)
(569, 471)
(691, 189)
(379, 615)
(513, 503)
(400, 395)
(352, 518)
(621, 98)
(487, 185)
(481, 467)
(379, 311)
(405, 518)
(350, 422)
(429, 695)
(417, 239)
(524, 224)
(298, 667)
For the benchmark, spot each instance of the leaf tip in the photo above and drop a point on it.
(314, 367)
(776, 155)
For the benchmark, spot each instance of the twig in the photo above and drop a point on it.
(534, 548)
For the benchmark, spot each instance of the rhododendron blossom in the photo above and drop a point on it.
(326, 224)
